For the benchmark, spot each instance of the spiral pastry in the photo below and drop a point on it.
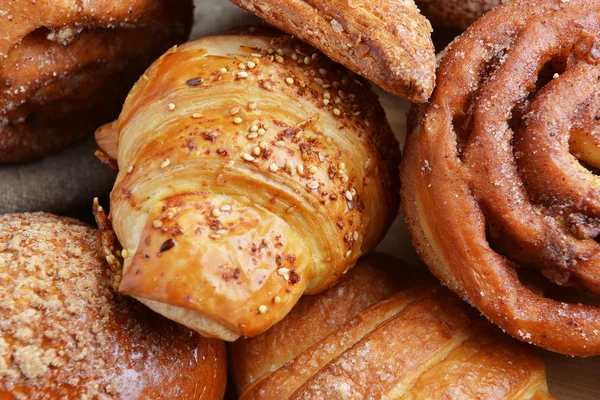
(252, 169)
(500, 170)
(66, 66)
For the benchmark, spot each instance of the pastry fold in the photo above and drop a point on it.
(500, 175)
(386, 41)
(66, 66)
(388, 333)
(248, 176)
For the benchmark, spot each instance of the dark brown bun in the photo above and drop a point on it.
(65, 334)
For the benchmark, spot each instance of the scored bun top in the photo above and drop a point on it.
(65, 334)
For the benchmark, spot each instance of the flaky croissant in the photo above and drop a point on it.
(66, 66)
(386, 41)
(377, 336)
(500, 171)
(252, 170)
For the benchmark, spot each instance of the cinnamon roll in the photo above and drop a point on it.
(66, 66)
(500, 175)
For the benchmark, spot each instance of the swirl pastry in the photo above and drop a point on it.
(386, 41)
(65, 334)
(246, 179)
(500, 170)
(456, 13)
(374, 335)
(66, 66)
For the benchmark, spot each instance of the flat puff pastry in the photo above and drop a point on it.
(66, 66)
(378, 336)
(65, 333)
(386, 41)
(252, 169)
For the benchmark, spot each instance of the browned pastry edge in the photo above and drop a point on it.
(65, 333)
(387, 42)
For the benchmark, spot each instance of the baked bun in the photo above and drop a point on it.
(247, 178)
(66, 66)
(386, 41)
(65, 334)
(377, 335)
(456, 13)
(500, 176)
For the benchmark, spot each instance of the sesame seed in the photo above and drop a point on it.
(254, 128)
(353, 191)
(307, 60)
(130, 169)
(216, 213)
(124, 253)
(300, 169)
(248, 157)
(242, 66)
(222, 231)
(215, 236)
(270, 51)
(223, 70)
(337, 111)
(280, 143)
(348, 253)
(313, 169)
(289, 81)
(327, 95)
(252, 135)
(171, 106)
(312, 185)
(322, 71)
(266, 241)
(234, 110)
(344, 178)
(280, 52)
(326, 102)
(100, 209)
(256, 151)
(157, 224)
(319, 81)
(341, 94)
(279, 59)
(263, 145)
(355, 235)
(290, 167)
(225, 207)
(256, 55)
(295, 57)
(356, 113)
(261, 131)
(283, 271)
(165, 163)
(348, 195)
(277, 300)
(273, 167)
(237, 120)
(315, 56)
(252, 105)
(321, 156)
(342, 165)
(242, 75)
(196, 115)
(290, 210)
(326, 86)
(338, 100)
(262, 309)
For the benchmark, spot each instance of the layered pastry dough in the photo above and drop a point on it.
(377, 336)
(66, 66)
(252, 170)
(386, 41)
(64, 333)
(500, 175)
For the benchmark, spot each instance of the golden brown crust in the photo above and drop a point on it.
(492, 177)
(375, 335)
(66, 66)
(64, 333)
(456, 13)
(246, 178)
(388, 42)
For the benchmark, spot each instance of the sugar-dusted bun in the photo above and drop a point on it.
(65, 334)
(66, 66)
(376, 335)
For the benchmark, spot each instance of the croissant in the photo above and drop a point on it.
(64, 333)
(376, 335)
(252, 170)
(455, 13)
(66, 66)
(386, 41)
(498, 175)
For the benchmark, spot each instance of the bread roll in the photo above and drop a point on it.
(500, 185)
(375, 335)
(64, 333)
(252, 170)
(456, 13)
(66, 66)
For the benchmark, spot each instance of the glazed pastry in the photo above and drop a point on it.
(246, 179)
(375, 335)
(456, 13)
(65, 334)
(498, 179)
(66, 66)
(386, 41)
